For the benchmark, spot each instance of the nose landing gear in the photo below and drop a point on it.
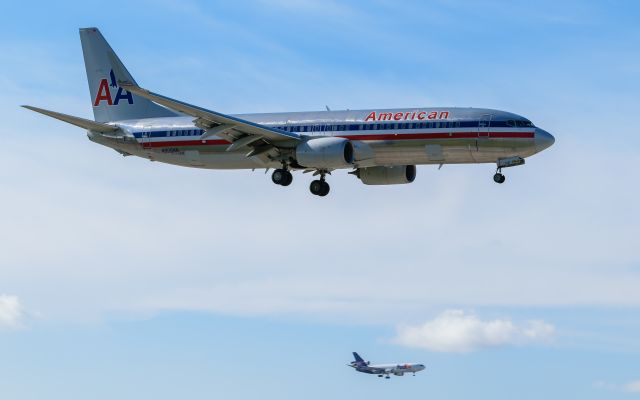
(498, 177)
(505, 163)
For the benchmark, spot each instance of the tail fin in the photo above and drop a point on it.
(111, 102)
(359, 359)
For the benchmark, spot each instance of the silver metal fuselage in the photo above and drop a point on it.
(383, 137)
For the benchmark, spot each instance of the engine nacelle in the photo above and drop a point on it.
(325, 152)
(395, 175)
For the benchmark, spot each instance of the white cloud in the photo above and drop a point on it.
(633, 387)
(458, 332)
(11, 312)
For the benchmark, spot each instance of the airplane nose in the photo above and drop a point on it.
(543, 139)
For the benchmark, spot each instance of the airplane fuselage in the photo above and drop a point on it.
(384, 137)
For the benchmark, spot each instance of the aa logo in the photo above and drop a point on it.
(104, 93)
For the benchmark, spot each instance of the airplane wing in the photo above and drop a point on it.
(239, 131)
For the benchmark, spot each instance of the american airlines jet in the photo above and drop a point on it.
(381, 147)
(385, 370)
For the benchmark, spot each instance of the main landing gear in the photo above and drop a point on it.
(282, 177)
(320, 187)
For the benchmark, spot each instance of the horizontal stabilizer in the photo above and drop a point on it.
(77, 121)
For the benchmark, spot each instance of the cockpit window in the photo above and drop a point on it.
(520, 123)
(523, 123)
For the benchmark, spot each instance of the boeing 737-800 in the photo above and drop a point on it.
(385, 370)
(381, 147)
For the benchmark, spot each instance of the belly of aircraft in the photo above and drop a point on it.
(386, 152)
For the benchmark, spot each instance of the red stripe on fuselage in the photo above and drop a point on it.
(440, 135)
(369, 137)
(179, 143)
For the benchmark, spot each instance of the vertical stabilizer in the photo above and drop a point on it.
(111, 102)
(359, 359)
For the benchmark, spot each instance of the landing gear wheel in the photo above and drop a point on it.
(319, 188)
(316, 187)
(499, 178)
(325, 188)
(282, 177)
(288, 180)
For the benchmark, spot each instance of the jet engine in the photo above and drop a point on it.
(325, 153)
(395, 175)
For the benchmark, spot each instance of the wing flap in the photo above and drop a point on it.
(77, 121)
(237, 124)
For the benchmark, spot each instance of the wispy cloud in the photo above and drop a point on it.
(11, 312)
(632, 387)
(455, 331)
(316, 7)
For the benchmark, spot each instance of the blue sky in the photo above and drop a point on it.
(121, 278)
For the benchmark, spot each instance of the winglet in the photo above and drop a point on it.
(77, 121)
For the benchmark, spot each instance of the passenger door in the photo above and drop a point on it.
(484, 132)
(484, 126)
(145, 138)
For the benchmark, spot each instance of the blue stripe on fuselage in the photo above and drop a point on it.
(340, 127)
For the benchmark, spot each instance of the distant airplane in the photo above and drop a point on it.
(385, 370)
(382, 147)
